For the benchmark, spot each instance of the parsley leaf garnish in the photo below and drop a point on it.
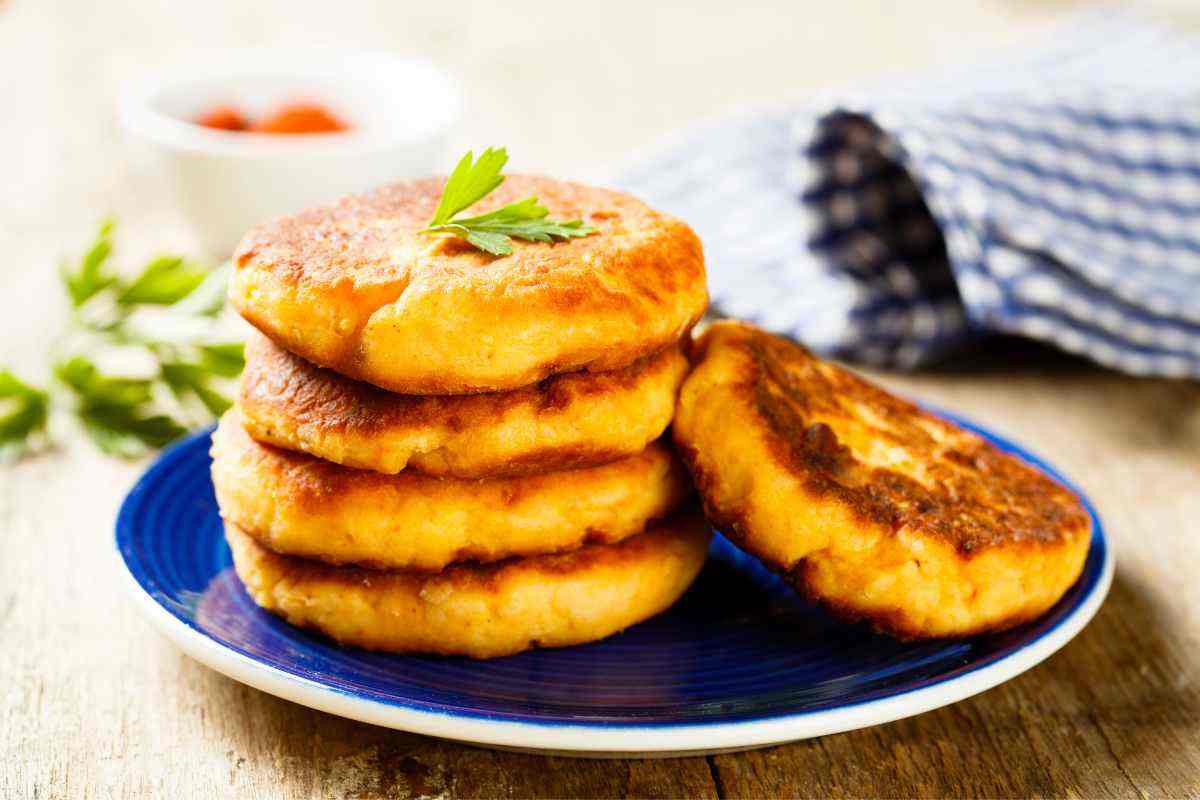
(471, 181)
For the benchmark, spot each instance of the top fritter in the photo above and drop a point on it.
(867, 503)
(356, 287)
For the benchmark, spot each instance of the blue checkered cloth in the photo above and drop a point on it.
(1055, 195)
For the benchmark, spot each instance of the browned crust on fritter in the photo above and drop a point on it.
(481, 611)
(641, 270)
(300, 505)
(895, 624)
(312, 481)
(866, 504)
(279, 386)
(976, 495)
(485, 576)
(731, 522)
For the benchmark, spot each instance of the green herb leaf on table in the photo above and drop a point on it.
(116, 412)
(170, 313)
(208, 298)
(164, 281)
(92, 275)
(23, 413)
(493, 232)
(187, 379)
(225, 359)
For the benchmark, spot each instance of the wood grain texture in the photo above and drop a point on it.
(93, 703)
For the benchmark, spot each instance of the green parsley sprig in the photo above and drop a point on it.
(166, 316)
(493, 232)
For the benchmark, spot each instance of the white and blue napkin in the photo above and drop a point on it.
(1054, 195)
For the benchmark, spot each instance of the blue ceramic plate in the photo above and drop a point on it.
(738, 662)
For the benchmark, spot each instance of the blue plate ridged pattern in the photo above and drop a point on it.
(739, 647)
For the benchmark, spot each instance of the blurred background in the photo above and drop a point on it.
(575, 90)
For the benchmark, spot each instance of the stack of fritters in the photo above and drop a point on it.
(439, 450)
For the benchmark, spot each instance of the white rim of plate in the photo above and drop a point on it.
(598, 740)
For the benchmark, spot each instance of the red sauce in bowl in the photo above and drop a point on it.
(223, 118)
(288, 119)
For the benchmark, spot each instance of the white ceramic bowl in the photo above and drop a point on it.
(401, 111)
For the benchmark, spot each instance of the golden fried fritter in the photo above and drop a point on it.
(568, 421)
(300, 505)
(867, 504)
(356, 287)
(482, 611)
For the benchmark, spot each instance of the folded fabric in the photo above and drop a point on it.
(1053, 194)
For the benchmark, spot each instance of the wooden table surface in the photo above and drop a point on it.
(96, 704)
